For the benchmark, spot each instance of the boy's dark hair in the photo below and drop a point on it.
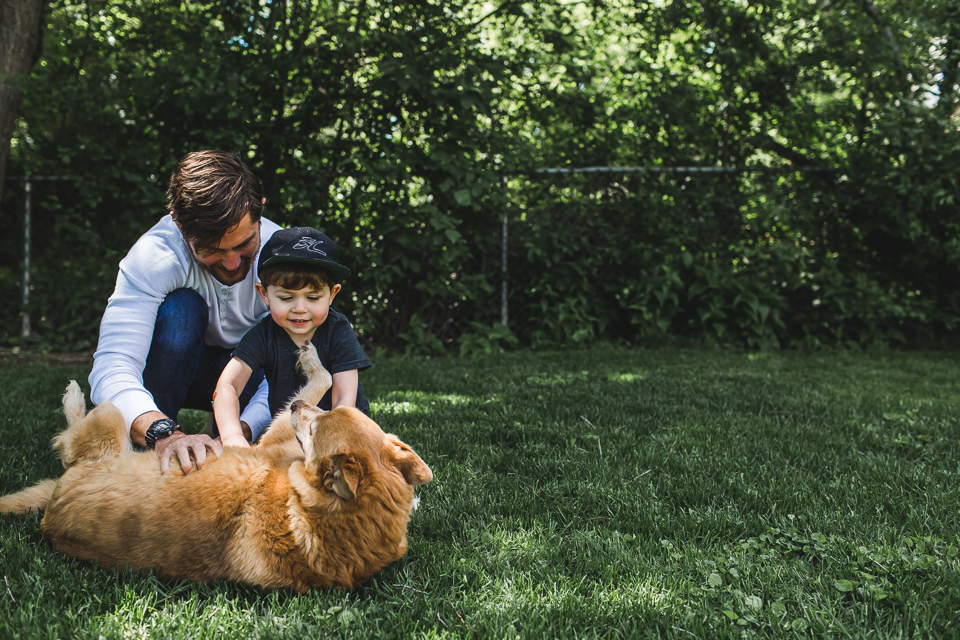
(296, 275)
(210, 192)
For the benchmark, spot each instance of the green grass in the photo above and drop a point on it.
(591, 493)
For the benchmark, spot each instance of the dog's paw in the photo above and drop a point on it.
(309, 362)
(307, 358)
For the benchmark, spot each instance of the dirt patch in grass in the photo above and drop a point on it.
(15, 355)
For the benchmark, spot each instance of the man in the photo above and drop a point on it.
(184, 297)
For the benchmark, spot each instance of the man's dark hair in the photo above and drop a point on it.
(293, 275)
(210, 192)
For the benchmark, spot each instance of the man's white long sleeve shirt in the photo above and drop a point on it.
(160, 262)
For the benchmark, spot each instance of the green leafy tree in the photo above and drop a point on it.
(390, 124)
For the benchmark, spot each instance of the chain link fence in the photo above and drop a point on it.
(558, 255)
(587, 248)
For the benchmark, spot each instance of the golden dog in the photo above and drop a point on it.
(322, 501)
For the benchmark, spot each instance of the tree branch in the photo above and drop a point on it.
(885, 29)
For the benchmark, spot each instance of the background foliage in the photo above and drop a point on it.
(406, 130)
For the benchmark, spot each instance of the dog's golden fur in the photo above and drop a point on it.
(323, 500)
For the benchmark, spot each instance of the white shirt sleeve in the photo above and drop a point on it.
(126, 329)
(257, 413)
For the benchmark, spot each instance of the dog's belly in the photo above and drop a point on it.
(126, 513)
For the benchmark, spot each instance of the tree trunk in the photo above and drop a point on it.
(20, 31)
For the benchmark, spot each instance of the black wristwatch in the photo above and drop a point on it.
(158, 430)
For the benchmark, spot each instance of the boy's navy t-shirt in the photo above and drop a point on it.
(267, 346)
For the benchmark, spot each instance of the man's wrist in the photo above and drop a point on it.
(159, 430)
(140, 424)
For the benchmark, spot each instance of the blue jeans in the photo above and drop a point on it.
(181, 371)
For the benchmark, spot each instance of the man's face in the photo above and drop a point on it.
(230, 261)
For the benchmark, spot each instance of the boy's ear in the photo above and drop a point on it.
(262, 292)
(334, 290)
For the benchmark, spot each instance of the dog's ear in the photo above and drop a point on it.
(414, 470)
(342, 476)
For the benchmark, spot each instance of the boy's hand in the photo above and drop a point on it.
(235, 441)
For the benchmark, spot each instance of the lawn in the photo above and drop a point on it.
(602, 492)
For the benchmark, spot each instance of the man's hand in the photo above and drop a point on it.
(183, 446)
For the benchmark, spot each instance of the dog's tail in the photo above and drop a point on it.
(32, 500)
(74, 406)
(35, 499)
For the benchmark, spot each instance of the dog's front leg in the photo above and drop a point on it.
(318, 383)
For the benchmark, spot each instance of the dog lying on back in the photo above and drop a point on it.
(322, 501)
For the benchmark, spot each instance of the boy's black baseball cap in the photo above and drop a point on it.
(304, 245)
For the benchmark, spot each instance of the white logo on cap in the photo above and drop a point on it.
(309, 244)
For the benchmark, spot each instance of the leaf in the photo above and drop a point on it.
(453, 235)
(462, 196)
(844, 585)
(764, 312)
(800, 624)
(754, 602)
(729, 614)
(715, 580)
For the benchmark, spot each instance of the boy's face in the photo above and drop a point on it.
(298, 311)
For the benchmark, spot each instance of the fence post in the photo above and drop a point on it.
(28, 181)
(25, 328)
(503, 257)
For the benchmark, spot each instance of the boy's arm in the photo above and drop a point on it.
(344, 391)
(226, 402)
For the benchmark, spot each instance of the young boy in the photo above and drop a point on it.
(298, 270)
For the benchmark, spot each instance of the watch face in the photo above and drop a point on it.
(159, 430)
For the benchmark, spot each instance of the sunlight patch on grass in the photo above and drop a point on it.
(558, 379)
(639, 593)
(523, 549)
(395, 408)
(568, 596)
(417, 402)
(627, 377)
